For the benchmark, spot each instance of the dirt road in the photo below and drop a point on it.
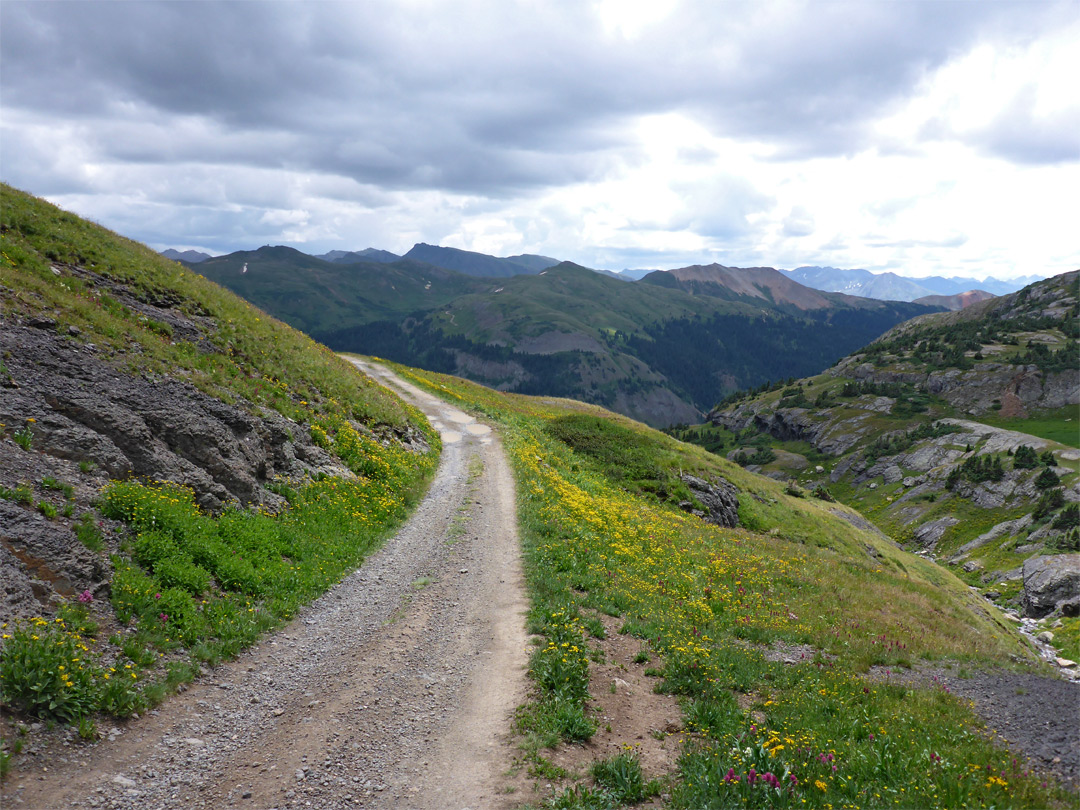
(395, 689)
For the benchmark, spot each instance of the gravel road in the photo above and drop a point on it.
(395, 689)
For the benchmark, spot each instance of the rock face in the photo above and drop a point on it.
(719, 498)
(91, 423)
(1051, 584)
(159, 428)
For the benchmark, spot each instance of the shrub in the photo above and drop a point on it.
(88, 532)
(182, 572)
(621, 777)
(45, 671)
(1025, 458)
(1068, 518)
(1050, 500)
(1070, 541)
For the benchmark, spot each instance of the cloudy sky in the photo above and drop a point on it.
(925, 137)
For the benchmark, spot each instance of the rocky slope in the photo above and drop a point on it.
(115, 363)
(895, 430)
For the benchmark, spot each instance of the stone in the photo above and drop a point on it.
(123, 781)
(1064, 663)
(972, 565)
(719, 497)
(893, 475)
(928, 534)
(1045, 636)
(1051, 583)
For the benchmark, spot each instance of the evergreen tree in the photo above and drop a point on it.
(1047, 479)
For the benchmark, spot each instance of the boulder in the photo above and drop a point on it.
(893, 474)
(719, 497)
(928, 534)
(1050, 583)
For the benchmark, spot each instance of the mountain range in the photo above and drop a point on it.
(662, 350)
(891, 287)
(860, 283)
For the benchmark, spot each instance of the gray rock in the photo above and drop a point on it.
(928, 534)
(893, 475)
(1007, 528)
(719, 497)
(1049, 582)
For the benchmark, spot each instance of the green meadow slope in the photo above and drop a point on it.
(775, 634)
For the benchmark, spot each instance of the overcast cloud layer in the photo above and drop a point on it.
(919, 137)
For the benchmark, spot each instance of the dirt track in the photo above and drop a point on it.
(393, 690)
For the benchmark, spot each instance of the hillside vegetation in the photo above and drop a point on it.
(179, 472)
(767, 632)
(956, 433)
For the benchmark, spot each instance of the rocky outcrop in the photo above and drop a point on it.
(91, 422)
(928, 534)
(826, 432)
(149, 426)
(1052, 584)
(974, 391)
(719, 498)
(1007, 528)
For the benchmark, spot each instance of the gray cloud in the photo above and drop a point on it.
(203, 108)
(484, 98)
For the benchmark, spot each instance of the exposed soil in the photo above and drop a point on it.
(396, 689)
(1036, 715)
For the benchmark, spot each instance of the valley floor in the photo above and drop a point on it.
(396, 689)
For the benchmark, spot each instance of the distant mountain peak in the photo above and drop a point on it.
(189, 256)
(894, 287)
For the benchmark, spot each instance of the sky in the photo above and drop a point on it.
(923, 137)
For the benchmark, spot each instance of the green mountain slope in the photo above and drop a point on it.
(472, 263)
(179, 471)
(791, 640)
(318, 296)
(660, 355)
(955, 432)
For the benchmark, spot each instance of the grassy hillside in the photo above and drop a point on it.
(184, 587)
(711, 609)
(319, 296)
(897, 431)
(660, 355)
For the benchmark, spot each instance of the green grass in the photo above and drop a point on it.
(1067, 638)
(706, 598)
(1062, 425)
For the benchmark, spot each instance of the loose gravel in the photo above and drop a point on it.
(395, 689)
